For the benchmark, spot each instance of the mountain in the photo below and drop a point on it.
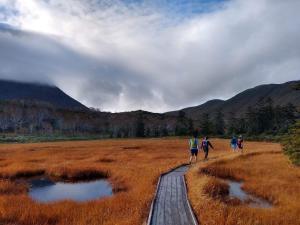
(198, 111)
(281, 94)
(35, 117)
(13, 90)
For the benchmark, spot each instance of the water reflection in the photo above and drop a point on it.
(45, 190)
(235, 191)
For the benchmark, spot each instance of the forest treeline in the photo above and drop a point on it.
(264, 118)
(21, 117)
(291, 142)
(38, 118)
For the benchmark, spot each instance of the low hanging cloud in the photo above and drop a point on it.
(151, 55)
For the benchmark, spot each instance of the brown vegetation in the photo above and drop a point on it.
(134, 173)
(216, 188)
(266, 173)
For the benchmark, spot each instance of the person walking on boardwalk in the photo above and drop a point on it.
(233, 143)
(194, 146)
(205, 146)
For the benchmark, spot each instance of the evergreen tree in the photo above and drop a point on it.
(190, 126)
(241, 126)
(218, 123)
(181, 129)
(182, 125)
(265, 115)
(291, 143)
(205, 124)
(284, 116)
(156, 132)
(232, 124)
(165, 131)
(181, 115)
(252, 121)
(148, 132)
(140, 127)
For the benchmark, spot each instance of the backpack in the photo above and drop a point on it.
(205, 144)
(193, 143)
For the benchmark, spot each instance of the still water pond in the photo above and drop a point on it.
(45, 190)
(236, 191)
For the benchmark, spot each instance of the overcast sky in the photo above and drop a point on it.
(155, 55)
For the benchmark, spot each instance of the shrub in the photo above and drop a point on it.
(291, 143)
(76, 174)
(216, 188)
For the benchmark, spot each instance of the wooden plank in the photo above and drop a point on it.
(152, 204)
(174, 200)
(161, 204)
(156, 209)
(168, 211)
(193, 218)
(170, 205)
(182, 209)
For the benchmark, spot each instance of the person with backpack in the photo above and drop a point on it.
(194, 146)
(233, 143)
(205, 146)
(240, 143)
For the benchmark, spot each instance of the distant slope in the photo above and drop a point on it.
(197, 111)
(11, 90)
(65, 118)
(281, 94)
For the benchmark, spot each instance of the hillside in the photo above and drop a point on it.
(281, 94)
(35, 117)
(11, 90)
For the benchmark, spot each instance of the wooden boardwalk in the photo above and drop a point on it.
(171, 205)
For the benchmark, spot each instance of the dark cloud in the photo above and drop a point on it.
(109, 55)
(28, 56)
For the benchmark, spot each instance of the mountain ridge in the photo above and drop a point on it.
(35, 117)
(280, 94)
(16, 90)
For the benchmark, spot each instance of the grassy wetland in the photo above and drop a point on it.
(265, 172)
(132, 167)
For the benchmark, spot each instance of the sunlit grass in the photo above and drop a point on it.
(133, 167)
(266, 173)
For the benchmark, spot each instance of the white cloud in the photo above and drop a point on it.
(119, 57)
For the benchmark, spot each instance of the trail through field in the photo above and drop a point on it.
(171, 205)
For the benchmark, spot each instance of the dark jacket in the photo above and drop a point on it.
(205, 146)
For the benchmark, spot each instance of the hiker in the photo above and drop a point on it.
(233, 143)
(240, 143)
(193, 147)
(205, 146)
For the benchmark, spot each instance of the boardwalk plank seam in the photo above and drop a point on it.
(155, 195)
(183, 216)
(170, 199)
(188, 203)
(152, 204)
